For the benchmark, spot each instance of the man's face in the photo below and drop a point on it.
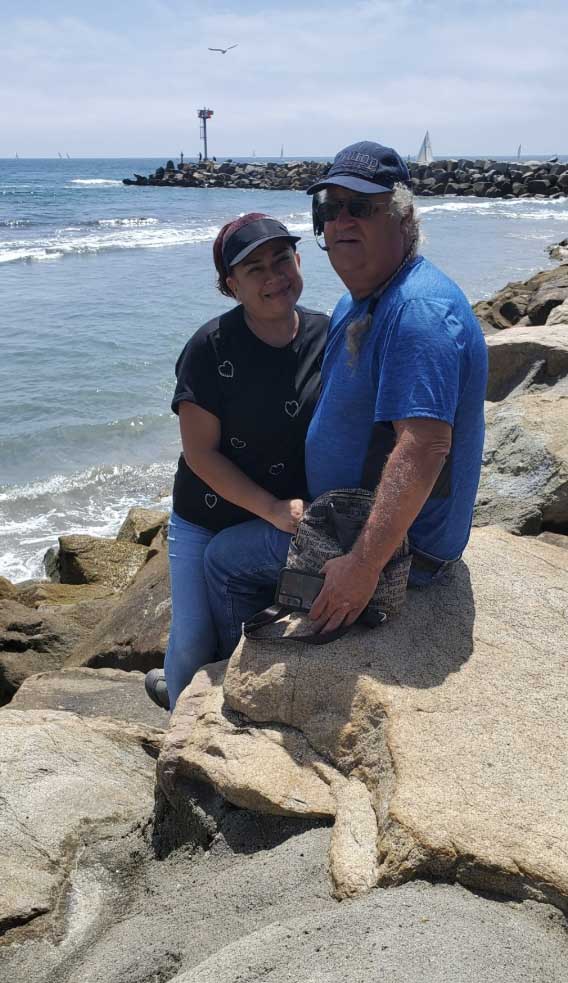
(364, 252)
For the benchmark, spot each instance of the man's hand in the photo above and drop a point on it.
(349, 586)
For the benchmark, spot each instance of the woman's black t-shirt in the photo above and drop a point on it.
(264, 398)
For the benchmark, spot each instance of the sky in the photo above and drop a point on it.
(122, 79)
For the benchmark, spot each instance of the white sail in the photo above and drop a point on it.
(425, 155)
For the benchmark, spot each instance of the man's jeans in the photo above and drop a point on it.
(242, 564)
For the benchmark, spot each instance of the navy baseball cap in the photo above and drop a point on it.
(366, 167)
(240, 243)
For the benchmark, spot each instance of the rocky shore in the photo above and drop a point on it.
(481, 178)
(417, 773)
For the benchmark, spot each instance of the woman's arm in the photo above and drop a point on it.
(200, 437)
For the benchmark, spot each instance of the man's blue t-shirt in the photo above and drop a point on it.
(423, 356)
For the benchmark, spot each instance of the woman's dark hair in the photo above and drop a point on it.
(224, 234)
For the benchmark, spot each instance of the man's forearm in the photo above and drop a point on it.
(408, 477)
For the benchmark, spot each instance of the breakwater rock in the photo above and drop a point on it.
(428, 758)
(479, 178)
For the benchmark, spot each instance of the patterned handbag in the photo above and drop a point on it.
(328, 528)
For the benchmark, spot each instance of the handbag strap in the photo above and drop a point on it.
(277, 611)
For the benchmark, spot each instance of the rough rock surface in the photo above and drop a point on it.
(254, 904)
(559, 251)
(559, 314)
(64, 780)
(33, 641)
(526, 302)
(94, 560)
(269, 769)
(134, 634)
(42, 593)
(8, 590)
(524, 479)
(454, 717)
(91, 693)
(142, 526)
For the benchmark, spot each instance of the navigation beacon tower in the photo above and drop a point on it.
(204, 115)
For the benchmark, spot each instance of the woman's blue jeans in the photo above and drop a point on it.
(218, 580)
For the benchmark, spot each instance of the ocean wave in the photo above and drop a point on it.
(127, 222)
(95, 181)
(15, 223)
(138, 235)
(515, 208)
(93, 502)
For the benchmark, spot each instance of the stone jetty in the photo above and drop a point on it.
(479, 178)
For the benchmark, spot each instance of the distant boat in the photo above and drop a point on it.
(68, 157)
(425, 155)
(282, 150)
(519, 152)
(60, 156)
(17, 156)
(254, 153)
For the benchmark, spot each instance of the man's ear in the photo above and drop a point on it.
(232, 285)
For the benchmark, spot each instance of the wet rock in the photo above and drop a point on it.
(142, 526)
(134, 633)
(94, 560)
(34, 641)
(533, 299)
(43, 593)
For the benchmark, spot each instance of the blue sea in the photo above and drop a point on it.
(102, 284)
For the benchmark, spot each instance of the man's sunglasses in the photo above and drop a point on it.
(358, 206)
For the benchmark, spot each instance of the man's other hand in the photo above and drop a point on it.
(348, 587)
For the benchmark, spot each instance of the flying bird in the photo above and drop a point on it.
(224, 50)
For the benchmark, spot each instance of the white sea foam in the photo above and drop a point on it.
(127, 222)
(514, 208)
(138, 235)
(100, 181)
(93, 502)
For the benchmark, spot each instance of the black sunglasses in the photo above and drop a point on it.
(358, 206)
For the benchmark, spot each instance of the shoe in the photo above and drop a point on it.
(155, 683)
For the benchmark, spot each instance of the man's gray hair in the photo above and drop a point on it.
(402, 206)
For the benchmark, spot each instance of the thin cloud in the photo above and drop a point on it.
(477, 75)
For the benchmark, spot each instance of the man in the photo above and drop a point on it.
(401, 409)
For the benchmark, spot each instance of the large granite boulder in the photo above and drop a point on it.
(528, 302)
(65, 780)
(91, 693)
(142, 526)
(450, 723)
(134, 633)
(524, 479)
(33, 641)
(94, 560)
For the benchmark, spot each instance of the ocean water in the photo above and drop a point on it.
(101, 286)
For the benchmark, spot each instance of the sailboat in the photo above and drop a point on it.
(282, 150)
(519, 152)
(425, 155)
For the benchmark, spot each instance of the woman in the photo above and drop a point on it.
(247, 384)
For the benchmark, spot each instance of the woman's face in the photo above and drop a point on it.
(268, 282)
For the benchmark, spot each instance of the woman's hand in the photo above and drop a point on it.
(285, 515)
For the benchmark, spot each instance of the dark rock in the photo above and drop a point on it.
(134, 634)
